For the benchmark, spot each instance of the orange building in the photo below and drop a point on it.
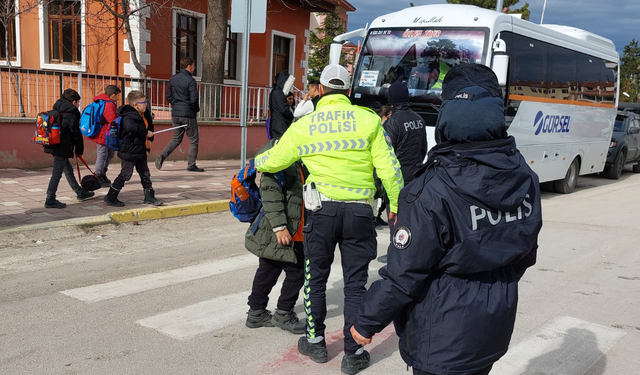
(62, 44)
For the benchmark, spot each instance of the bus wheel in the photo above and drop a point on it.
(570, 180)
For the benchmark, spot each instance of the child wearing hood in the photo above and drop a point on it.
(136, 132)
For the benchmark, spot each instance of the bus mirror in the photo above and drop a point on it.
(500, 64)
(334, 53)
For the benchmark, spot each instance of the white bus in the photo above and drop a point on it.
(560, 83)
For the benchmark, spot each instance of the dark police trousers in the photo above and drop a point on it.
(267, 276)
(351, 226)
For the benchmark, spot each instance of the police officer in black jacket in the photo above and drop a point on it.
(467, 230)
(406, 132)
(185, 105)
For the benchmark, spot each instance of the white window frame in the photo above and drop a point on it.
(18, 61)
(239, 70)
(197, 75)
(292, 53)
(44, 45)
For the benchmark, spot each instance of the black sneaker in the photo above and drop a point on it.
(83, 195)
(380, 222)
(54, 203)
(259, 318)
(317, 352)
(159, 161)
(289, 322)
(351, 364)
(194, 168)
(104, 181)
(383, 259)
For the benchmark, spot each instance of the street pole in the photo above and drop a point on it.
(499, 6)
(244, 90)
(543, 9)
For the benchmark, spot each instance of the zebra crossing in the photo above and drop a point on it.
(562, 344)
(200, 318)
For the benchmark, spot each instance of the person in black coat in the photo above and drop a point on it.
(68, 116)
(281, 114)
(185, 105)
(406, 131)
(136, 132)
(467, 229)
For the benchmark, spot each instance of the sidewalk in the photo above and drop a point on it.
(22, 192)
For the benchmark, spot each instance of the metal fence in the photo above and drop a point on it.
(25, 93)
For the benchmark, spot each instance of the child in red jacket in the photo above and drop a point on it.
(104, 155)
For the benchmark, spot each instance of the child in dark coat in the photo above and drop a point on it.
(136, 131)
(70, 141)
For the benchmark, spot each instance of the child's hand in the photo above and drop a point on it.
(149, 134)
(284, 237)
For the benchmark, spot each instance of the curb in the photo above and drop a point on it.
(89, 221)
(163, 212)
(127, 216)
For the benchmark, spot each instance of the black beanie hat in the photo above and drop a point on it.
(472, 108)
(398, 93)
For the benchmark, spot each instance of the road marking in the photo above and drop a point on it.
(208, 316)
(562, 345)
(124, 287)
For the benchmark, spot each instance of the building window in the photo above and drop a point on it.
(231, 55)
(8, 39)
(281, 54)
(65, 32)
(186, 38)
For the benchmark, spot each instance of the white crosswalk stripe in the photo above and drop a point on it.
(208, 316)
(124, 287)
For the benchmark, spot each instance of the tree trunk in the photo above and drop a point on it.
(213, 57)
(133, 53)
(213, 50)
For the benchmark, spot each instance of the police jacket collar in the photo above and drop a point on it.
(400, 107)
(466, 167)
(333, 98)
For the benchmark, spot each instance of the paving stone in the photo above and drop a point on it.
(11, 204)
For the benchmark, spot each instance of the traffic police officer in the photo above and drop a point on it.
(340, 144)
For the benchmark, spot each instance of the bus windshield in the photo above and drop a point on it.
(419, 57)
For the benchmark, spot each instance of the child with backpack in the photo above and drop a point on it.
(136, 132)
(68, 118)
(275, 236)
(104, 154)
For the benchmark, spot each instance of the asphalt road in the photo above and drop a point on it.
(169, 297)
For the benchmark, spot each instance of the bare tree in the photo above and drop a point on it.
(118, 16)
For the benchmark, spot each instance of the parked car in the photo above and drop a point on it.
(625, 145)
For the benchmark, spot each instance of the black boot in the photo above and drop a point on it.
(112, 198)
(150, 197)
(83, 195)
(259, 318)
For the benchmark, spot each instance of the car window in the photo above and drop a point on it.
(619, 126)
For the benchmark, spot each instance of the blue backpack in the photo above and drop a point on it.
(91, 119)
(245, 203)
(112, 138)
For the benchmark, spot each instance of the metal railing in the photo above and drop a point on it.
(26, 92)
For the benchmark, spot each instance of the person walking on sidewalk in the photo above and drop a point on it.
(104, 153)
(276, 238)
(137, 133)
(70, 141)
(340, 144)
(185, 105)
